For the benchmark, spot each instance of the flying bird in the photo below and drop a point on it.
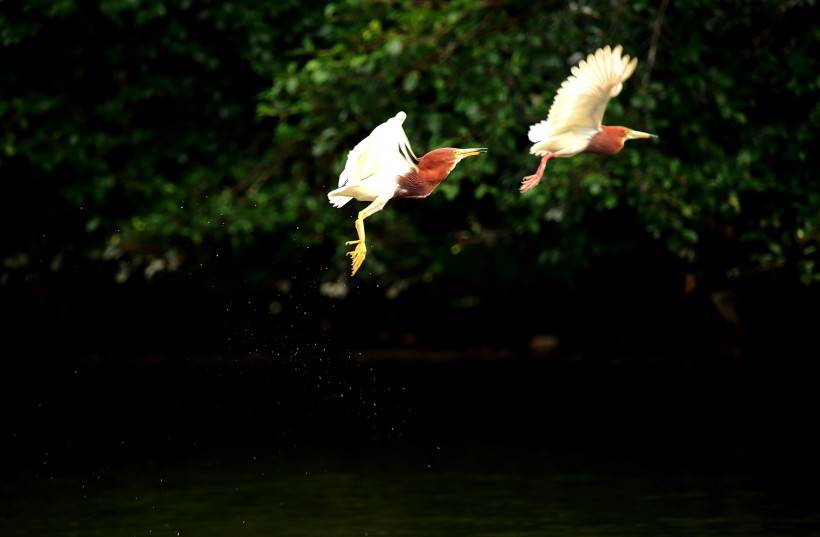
(383, 166)
(573, 124)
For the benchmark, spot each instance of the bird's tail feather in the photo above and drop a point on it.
(336, 200)
(538, 131)
(339, 201)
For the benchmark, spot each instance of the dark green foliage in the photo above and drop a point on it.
(156, 136)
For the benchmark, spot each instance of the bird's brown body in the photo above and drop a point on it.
(433, 168)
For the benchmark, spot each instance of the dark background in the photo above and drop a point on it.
(173, 281)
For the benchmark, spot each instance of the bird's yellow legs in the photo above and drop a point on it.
(358, 254)
(531, 181)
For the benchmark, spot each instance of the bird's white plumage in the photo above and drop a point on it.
(579, 105)
(375, 164)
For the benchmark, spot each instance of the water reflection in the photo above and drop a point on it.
(488, 493)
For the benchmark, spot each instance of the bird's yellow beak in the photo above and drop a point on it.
(471, 152)
(634, 135)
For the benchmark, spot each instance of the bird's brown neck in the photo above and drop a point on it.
(608, 141)
(432, 170)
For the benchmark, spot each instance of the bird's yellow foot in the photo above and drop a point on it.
(530, 182)
(357, 255)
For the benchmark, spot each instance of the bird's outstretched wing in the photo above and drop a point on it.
(581, 100)
(385, 153)
(380, 159)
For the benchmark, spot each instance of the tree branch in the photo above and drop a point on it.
(653, 44)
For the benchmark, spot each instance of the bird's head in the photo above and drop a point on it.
(438, 163)
(610, 140)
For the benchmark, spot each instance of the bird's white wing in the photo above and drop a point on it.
(581, 100)
(385, 150)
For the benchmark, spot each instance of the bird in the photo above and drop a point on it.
(573, 124)
(383, 166)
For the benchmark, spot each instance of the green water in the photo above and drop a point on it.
(395, 494)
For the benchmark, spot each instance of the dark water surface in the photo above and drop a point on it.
(474, 449)
(400, 494)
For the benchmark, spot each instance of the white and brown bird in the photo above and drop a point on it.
(383, 166)
(573, 124)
